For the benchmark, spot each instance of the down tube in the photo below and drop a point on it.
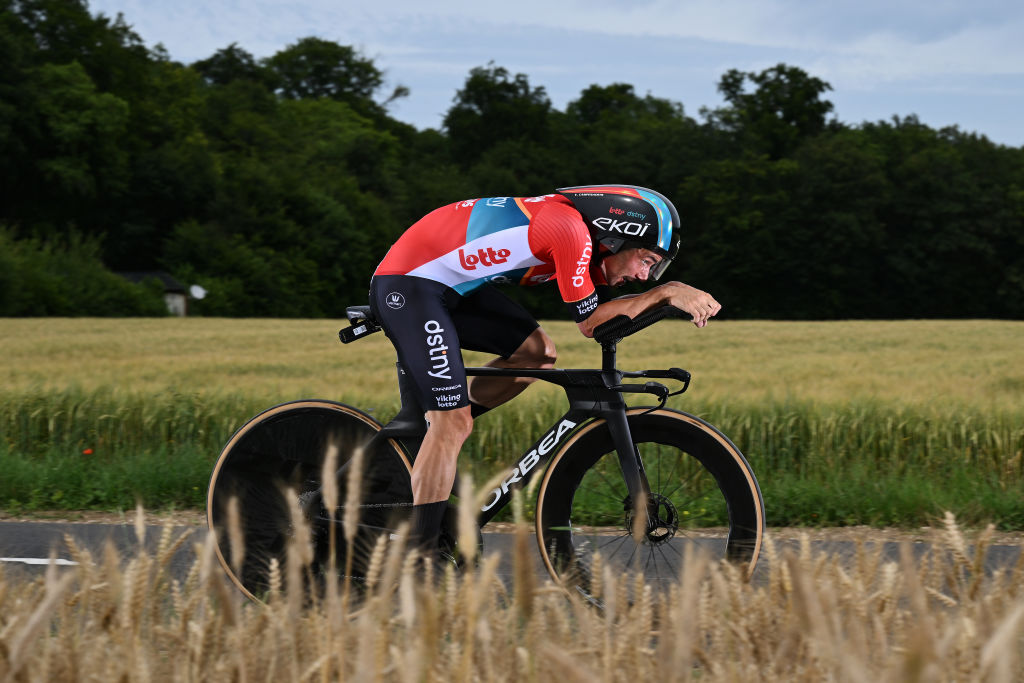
(532, 462)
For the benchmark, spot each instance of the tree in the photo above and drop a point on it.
(784, 109)
(493, 107)
(618, 102)
(82, 131)
(316, 68)
(954, 225)
(63, 31)
(615, 135)
(232, 63)
(65, 276)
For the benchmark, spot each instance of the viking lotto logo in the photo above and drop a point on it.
(395, 301)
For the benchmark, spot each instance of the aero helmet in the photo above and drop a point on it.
(627, 216)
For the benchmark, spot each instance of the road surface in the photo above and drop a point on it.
(26, 547)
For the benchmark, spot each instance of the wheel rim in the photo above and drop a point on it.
(693, 472)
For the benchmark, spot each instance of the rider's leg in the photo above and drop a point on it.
(433, 472)
(536, 351)
(415, 314)
(491, 322)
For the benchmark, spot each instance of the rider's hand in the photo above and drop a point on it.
(698, 303)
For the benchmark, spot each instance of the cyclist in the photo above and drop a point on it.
(433, 296)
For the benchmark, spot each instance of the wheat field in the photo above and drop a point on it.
(807, 617)
(889, 397)
(937, 364)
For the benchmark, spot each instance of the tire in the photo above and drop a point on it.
(273, 467)
(706, 492)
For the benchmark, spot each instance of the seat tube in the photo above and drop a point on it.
(404, 385)
(409, 423)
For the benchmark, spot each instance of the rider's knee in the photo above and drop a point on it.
(538, 350)
(458, 423)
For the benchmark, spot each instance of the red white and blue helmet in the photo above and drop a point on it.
(628, 216)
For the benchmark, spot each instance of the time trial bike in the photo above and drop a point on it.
(635, 485)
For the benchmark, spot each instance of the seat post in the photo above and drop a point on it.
(608, 355)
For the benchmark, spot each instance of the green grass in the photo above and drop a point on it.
(825, 465)
(844, 423)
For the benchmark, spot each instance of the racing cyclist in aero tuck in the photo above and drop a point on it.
(433, 295)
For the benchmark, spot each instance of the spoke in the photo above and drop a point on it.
(597, 493)
(620, 537)
(629, 562)
(599, 484)
(673, 548)
(658, 473)
(613, 485)
(697, 471)
(668, 560)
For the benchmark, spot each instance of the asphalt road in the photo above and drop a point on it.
(26, 547)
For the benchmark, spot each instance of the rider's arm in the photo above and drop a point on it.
(559, 235)
(699, 304)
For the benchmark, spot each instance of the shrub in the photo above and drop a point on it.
(66, 277)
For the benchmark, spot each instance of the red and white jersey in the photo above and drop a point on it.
(520, 240)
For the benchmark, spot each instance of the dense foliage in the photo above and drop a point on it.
(277, 184)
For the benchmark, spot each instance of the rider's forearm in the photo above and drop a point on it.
(630, 305)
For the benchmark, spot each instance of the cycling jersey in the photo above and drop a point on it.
(520, 240)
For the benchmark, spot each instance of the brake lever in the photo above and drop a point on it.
(677, 374)
(656, 388)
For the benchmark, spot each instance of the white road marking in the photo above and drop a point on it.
(39, 560)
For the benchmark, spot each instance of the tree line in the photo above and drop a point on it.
(277, 184)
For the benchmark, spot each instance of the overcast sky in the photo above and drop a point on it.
(951, 62)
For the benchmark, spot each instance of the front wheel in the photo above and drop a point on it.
(703, 496)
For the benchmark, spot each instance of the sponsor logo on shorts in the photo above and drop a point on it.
(448, 400)
(437, 350)
(395, 301)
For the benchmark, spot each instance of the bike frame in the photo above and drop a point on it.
(592, 394)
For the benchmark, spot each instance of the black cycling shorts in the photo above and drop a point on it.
(430, 323)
